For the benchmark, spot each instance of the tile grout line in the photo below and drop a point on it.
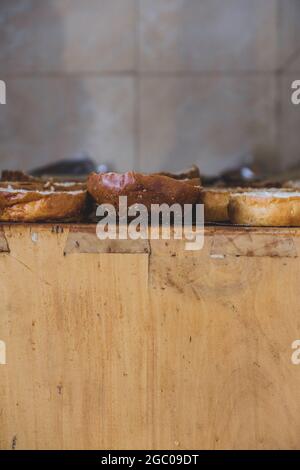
(140, 74)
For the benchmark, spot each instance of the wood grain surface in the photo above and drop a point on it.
(149, 347)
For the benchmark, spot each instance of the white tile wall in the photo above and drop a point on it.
(47, 119)
(289, 123)
(208, 35)
(212, 121)
(148, 84)
(288, 33)
(67, 35)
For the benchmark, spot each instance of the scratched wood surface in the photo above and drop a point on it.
(150, 346)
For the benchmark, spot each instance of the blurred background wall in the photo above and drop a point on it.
(150, 84)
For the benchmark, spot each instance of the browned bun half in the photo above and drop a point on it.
(31, 203)
(65, 185)
(192, 181)
(140, 188)
(265, 208)
(188, 174)
(216, 202)
(16, 175)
